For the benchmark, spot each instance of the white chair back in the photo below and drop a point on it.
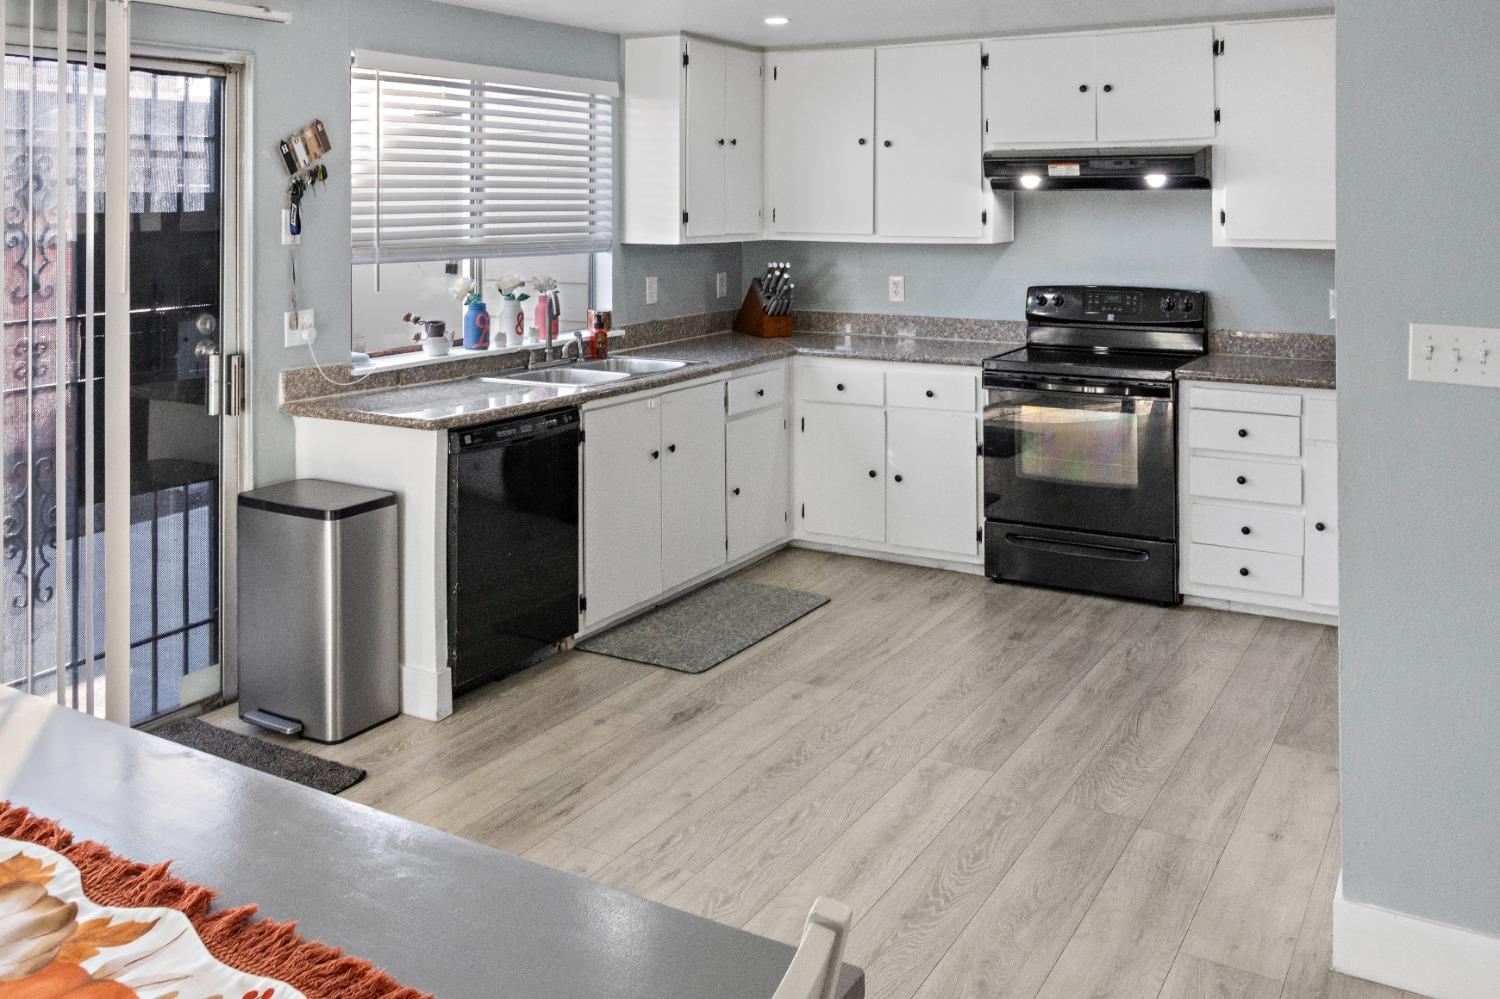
(814, 971)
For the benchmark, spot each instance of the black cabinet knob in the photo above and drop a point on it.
(872, 473)
(898, 478)
(734, 142)
(1241, 479)
(1083, 88)
(721, 142)
(672, 448)
(760, 391)
(1244, 571)
(840, 386)
(1320, 526)
(930, 393)
(1244, 432)
(655, 455)
(1245, 530)
(887, 143)
(736, 490)
(862, 141)
(1108, 87)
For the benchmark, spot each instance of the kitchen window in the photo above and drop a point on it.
(455, 166)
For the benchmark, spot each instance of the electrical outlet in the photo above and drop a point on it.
(299, 329)
(651, 290)
(898, 288)
(1459, 355)
(287, 239)
(721, 284)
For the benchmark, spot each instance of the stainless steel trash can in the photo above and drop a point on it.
(319, 612)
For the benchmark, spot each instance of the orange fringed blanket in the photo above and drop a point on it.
(71, 903)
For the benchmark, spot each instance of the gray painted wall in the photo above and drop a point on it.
(1419, 463)
(1113, 237)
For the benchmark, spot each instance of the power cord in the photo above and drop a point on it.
(296, 316)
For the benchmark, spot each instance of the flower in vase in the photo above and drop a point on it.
(465, 291)
(544, 284)
(509, 286)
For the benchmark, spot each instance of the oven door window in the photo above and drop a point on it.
(1080, 447)
(1105, 464)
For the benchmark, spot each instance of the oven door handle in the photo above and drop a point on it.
(1078, 548)
(1153, 390)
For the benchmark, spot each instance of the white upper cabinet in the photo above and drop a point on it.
(1274, 161)
(1101, 88)
(1040, 90)
(929, 143)
(820, 128)
(1155, 86)
(693, 128)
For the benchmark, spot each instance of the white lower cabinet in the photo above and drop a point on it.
(1260, 531)
(841, 471)
(692, 483)
(887, 477)
(756, 480)
(622, 507)
(932, 477)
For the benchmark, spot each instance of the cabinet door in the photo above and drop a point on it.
(756, 481)
(1275, 156)
(692, 482)
(841, 471)
(1321, 560)
(744, 125)
(820, 122)
(621, 507)
(929, 141)
(932, 481)
(1040, 90)
(1156, 85)
(705, 139)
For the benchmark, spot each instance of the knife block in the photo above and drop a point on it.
(753, 319)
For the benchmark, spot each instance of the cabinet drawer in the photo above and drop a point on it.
(1253, 528)
(757, 391)
(1262, 572)
(927, 389)
(1241, 479)
(1240, 401)
(1322, 421)
(845, 383)
(1248, 433)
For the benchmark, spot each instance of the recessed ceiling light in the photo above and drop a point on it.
(777, 22)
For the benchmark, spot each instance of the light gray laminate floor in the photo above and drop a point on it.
(1020, 792)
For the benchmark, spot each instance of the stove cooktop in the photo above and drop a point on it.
(1074, 362)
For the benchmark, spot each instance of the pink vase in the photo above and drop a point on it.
(540, 315)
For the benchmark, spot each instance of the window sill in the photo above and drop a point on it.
(417, 359)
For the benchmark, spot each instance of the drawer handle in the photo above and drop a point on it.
(840, 386)
(1245, 530)
(872, 473)
(930, 393)
(655, 455)
(760, 392)
(672, 448)
(736, 490)
(1320, 526)
(1244, 432)
(1241, 479)
(898, 478)
(1244, 571)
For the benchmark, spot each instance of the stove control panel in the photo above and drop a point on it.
(1075, 304)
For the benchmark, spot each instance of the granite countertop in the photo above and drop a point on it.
(474, 400)
(1246, 369)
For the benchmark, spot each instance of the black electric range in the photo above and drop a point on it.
(1080, 442)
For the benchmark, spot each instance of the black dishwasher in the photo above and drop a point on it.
(512, 543)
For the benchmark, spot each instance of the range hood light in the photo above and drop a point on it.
(1031, 181)
(1102, 169)
(1156, 180)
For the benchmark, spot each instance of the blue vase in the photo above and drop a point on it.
(477, 327)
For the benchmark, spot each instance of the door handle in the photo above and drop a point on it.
(234, 405)
(215, 387)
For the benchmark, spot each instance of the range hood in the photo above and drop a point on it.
(1098, 169)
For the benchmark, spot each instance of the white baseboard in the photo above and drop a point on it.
(973, 568)
(425, 694)
(1405, 952)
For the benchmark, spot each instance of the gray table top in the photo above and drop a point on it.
(439, 913)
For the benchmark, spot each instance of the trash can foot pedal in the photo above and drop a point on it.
(273, 723)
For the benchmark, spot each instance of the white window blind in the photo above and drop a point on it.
(450, 161)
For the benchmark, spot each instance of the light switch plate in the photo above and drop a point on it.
(651, 290)
(721, 284)
(1458, 355)
(898, 288)
(301, 330)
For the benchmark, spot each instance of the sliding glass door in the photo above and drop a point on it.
(181, 278)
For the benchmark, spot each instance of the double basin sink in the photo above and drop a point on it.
(586, 373)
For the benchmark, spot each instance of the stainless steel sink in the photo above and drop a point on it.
(633, 365)
(570, 375)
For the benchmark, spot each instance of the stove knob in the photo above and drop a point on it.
(1056, 301)
(1168, 304)
(1039, 301)
(1187, 305)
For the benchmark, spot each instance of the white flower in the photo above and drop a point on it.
(509, 283)
(544, 283)
(462, 288)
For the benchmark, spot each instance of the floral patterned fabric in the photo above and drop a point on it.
(57, 944)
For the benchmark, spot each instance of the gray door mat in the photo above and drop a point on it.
(257, 754)
(697, 632)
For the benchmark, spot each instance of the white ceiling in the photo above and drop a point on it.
(822, 22)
